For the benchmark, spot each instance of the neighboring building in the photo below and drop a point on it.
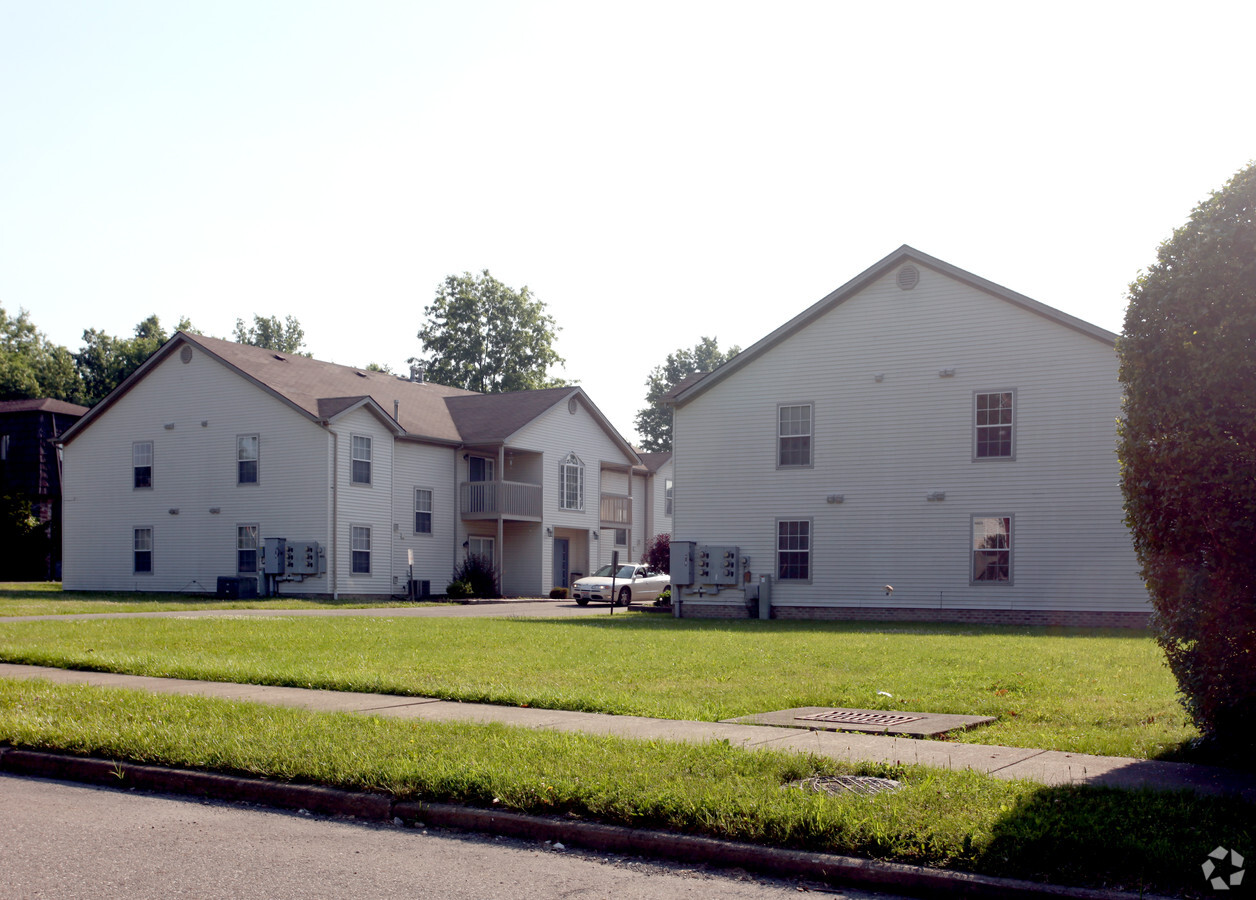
(920, 429)
(30, 475)
(653, 482)
(210, 448)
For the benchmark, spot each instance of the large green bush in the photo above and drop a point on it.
(1188, 454)
(475, 577)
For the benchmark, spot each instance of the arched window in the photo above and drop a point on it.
(571, 483)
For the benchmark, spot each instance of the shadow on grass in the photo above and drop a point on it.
(1136, 840)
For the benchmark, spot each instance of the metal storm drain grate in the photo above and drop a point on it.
(865, 785)
(851, 717)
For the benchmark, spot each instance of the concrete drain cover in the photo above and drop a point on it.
(872, 721)
(864, 785)
(854, 717)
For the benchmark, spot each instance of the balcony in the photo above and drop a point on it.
(507, 499)
(616, 511)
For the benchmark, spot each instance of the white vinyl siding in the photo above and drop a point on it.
(891, 442)
(209, 406)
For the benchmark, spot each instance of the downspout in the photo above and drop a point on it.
(335, 503)
(501, 536)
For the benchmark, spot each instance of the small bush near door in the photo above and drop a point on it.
(558, 593)
(476, 576)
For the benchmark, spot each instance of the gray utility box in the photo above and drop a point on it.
(682, 553)
(717, 564)
(305, 558)
(274, 556)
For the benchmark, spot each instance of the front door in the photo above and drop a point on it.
(562, 562)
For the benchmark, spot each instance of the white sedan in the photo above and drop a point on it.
(632, 582)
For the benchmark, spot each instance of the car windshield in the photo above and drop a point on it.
(625, 573)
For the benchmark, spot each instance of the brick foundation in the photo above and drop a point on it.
(1058, 618)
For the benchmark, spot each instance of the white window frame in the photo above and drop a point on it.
(359, 549)
(136, 465)
(357, 444)
(136, 550)
(422, 507)
(572, 467)
(248, 540)
(976, 537)
(621, 537)
(242, 459)
(982, 426)
(488, 467)
(479, 545)
(809, 539)
(669, 487)
(793, 431)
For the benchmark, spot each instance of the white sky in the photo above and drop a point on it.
(654, 172)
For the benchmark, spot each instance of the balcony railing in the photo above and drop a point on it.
(508, 499)
(616, 511)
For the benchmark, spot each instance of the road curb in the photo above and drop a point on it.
(832, 869)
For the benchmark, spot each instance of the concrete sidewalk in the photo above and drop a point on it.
(1045, 766)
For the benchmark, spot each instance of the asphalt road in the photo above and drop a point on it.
(68, 841)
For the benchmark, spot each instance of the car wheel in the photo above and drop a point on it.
(625, 597)
(582, 601)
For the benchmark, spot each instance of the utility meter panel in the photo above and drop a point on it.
(682, 562)
(716, 564)
(306, 558)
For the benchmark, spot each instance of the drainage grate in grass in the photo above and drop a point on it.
(865, 785)
(855, 717)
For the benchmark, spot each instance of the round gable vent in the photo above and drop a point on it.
(572, 406)
(185, 354)
(908, 277)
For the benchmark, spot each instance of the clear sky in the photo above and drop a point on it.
(654, 172)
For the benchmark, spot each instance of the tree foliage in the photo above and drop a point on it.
(658, 553)
(283, 337)
(1187, 445)
(104, 360)
(484, 336)
(31, 365)
(654, 423)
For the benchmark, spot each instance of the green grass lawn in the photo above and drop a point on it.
(961, 820)
(45, 598)
(1103, 692)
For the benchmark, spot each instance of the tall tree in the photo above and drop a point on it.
(1187, 445)
(33, 366)
(104, 360)
(286, 337)
(654, 423)
(484, 336)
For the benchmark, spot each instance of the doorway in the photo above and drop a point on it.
(562, 562)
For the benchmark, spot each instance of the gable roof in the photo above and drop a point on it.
(652, 462)
(321, 391)
(695, 385)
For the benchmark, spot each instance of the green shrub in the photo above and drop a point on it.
(664, 598)
(558, 593)
(1185, 444)
(458, 590)
(478, 574)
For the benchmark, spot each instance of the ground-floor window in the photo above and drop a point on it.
(481, 546)
(246, 549)
(793, 550)
(621, 537)
(992, 550)
(142, 551)
(360, 544)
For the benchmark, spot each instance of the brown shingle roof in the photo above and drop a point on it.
(489, 418)
(652, 462)
(43, 404)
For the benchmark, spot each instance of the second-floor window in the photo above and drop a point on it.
(994, 429)
(667, 497)
(361, 460)
(571, 483)
(142, 464)
(793, 440)
(247, 446)
(422, 511)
